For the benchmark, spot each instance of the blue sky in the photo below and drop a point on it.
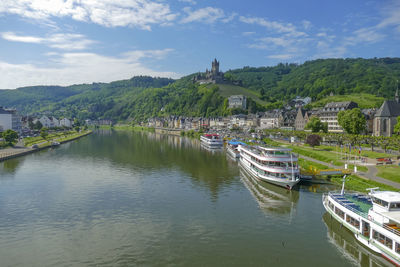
(64, 42)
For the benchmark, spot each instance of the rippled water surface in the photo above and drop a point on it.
(128, 199)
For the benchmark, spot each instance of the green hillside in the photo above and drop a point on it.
(365, 81)
(363, 100)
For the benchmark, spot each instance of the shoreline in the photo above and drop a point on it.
(22, 151)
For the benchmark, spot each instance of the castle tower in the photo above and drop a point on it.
(215, 67)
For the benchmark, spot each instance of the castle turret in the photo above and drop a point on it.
(215, 67)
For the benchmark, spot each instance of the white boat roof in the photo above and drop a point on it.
(388, 196)
(392, 215)
(275, 148)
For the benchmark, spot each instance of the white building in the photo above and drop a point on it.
(65, 122)
(237, 101)
(9, 119)
(271, 120)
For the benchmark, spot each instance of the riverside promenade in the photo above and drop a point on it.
(16, 151)
(20, 150)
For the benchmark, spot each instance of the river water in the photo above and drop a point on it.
(142, 199)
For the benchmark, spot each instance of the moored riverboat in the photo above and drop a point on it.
(374, 219)
(275, 165)
(212, 140)
(232, 148)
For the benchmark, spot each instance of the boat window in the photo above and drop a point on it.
(382, 239)
(339, 212)
(397, 248)
(380, 202)
(395, 205)
(352, 221)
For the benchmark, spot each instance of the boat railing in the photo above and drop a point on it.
(336, 195)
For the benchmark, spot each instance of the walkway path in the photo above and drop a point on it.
(370, 175)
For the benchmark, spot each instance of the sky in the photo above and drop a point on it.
(65, 42)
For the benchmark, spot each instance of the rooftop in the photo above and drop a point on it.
(388, 196)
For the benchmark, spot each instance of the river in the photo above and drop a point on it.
(142, 199)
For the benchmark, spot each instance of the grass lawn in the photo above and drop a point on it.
(355, 183)
(389, 172)
(307, 165)
(374, 155)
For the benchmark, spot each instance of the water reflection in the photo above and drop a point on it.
(147, 152)
(10, 166)
(350, 249)
(270, 198)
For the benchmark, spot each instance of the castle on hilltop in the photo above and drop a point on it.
(211, 76)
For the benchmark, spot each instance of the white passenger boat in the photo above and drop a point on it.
(374, 219)
(212, 140)
(232, 148)
(275, 165)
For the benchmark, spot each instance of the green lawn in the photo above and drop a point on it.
(355, 183)
(389, 172)
(374, 155)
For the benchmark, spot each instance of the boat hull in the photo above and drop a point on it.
(286, 183)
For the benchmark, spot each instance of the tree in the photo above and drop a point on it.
(44, 133)
(38, 125)
(397, 126)
(10, 136)
(313, 140)
(352, 121)
(315, 125)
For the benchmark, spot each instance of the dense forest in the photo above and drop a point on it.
(142, 96)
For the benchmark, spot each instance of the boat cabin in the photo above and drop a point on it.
(386, 209)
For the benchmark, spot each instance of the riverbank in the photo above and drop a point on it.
(18, 151)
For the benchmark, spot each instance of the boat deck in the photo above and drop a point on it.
(356, 202)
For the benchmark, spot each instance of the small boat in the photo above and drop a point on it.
(212, 140)
(374, 219)
(274, 165)
(232, 148)
(55, 143)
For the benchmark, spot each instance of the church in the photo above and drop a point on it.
(386, 117)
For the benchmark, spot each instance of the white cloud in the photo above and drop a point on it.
(64, 41)
(192, 2)
(109, 13)
(306, 24)
(270, 25)
(281, 56)
(10, 36)
(248, 33)
(391, 15)
(75, 68)
(206, 15)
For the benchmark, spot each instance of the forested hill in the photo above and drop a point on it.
(318, 78)
(35, 99)
(142, 97)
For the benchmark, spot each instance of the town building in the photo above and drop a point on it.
(302, 118)
(386, 117)
(237, 101)
(65, 122)
(330, 111)
(271, 120)
(9, 119)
